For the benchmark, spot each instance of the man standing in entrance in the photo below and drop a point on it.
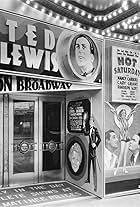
(94, 141)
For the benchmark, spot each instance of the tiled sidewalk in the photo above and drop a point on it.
(122, 201)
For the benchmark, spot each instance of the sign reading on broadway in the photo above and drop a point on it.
(9, 83)
(125, 75)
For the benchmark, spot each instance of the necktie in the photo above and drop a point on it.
(112, 161)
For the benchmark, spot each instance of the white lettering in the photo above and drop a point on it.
(49, 39)
(32, 57)
(16, 55)
(3, 53)
(12, 25)
(54, 62)
(30, 35)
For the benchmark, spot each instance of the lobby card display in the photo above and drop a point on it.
(122, 118)
(84, 142)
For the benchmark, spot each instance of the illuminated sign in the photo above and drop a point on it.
(29, 46)
(125, 75)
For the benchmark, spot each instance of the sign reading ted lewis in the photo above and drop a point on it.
(30, 46)
(125, 75)
(27, 45)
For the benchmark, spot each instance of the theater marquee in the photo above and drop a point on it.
(125, 75)
(28, 46)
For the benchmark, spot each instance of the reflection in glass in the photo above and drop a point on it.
(23, 143)
(51, 133)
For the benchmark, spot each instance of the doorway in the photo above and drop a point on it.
(36, 139)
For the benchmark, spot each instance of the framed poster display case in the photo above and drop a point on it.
(122, 117)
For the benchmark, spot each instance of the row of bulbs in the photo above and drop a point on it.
(88, 15)
(107, 32)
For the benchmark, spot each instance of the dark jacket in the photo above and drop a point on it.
(94, 137)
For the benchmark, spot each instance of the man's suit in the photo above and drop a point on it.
(134, 161)
(94, 137)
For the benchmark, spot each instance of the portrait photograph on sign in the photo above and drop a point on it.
(84, 56)
(81, 56)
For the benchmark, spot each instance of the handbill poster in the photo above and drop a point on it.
(125, 75)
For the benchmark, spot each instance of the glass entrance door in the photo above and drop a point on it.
(36, 140)
(23, 140)
(51, 153)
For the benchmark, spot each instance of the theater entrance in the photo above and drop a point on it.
(36, 139)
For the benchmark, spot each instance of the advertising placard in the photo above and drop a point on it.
(125, 75)
(28, 46)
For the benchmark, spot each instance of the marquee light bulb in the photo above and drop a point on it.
(70, 7)
(131, 39)
(124, 3)
(100, 18)
(95, 19)
(136, 37)
(120, 36)
(57, 16)
(43, 10)
(76, 10)
(97, 31)
(109, 16)
(114, 13)
(126, 38)
(83, 13)
(91, 29)
(28, 2)
(63, 4)
(35, 6)
(50, 14)
(112, 28)
(89, 16)
(105, 18)
(56, 1)
(103, 33)
(114, 35)
(118, 26)
(71, 22)
(120, 11)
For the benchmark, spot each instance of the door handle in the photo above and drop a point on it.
(52, 146)
(24, 147)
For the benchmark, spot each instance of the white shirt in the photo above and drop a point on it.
(135, 157)
(110, 159)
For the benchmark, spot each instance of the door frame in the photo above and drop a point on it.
(1, 142)
(43, 174)
(29, 177)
